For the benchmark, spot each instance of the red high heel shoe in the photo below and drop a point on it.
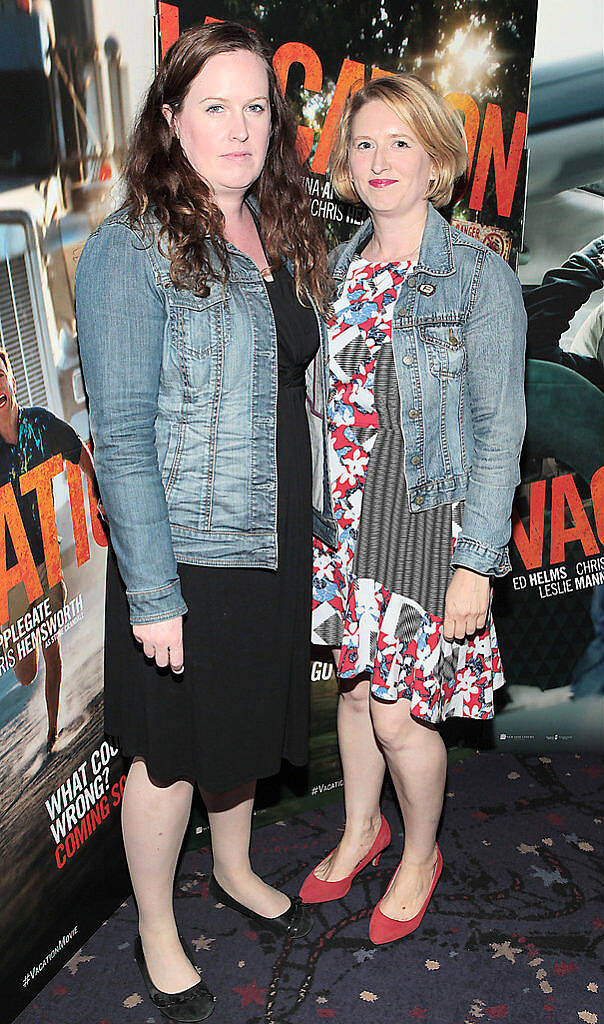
(387, 929)
(316, 890)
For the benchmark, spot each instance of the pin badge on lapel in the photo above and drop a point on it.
(427, 289)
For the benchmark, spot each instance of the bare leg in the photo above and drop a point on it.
(154, 819)
(54, 676)
(230, 815)
(26, 670)
(417, 760)
(363, 768)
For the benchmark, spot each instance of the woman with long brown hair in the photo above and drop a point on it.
(198, 315)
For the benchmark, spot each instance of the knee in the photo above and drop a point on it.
(26, 672)
(356, 700)
(27, 678)
(393, 726)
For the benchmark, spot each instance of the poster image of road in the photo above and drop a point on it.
(71, 73)
(58, 774)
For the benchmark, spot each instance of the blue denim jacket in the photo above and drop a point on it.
(459, 331)
(183, 404)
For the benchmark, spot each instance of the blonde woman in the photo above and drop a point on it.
(426, 416)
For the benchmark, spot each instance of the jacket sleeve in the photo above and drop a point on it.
(495, 346)
(121, 320)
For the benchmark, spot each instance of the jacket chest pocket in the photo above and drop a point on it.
(200, 323)
(444, 349)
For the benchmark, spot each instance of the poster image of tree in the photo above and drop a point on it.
(477, 53)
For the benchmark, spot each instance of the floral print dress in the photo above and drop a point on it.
(380, 595)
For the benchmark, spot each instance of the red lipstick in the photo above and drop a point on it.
(381, 182)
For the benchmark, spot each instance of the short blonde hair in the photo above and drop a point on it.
(437, 127)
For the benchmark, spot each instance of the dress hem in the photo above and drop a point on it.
(184, 776)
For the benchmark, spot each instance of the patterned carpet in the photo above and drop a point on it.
(515, 931)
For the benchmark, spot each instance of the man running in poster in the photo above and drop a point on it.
(28, 437)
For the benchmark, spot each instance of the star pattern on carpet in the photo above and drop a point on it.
(506, 950)
(131, 1001)
(548, 877)
(251, 994)
(536, 908)
(360, 955)
(76, 960)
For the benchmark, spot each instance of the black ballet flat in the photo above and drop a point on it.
(187, 1007)
(294, 922)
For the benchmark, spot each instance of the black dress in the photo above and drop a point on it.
(243, 701)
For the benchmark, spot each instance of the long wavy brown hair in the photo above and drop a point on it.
(159, 178)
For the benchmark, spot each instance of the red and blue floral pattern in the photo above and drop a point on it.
(439, 679)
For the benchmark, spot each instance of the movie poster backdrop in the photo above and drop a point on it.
(480, 58)
(77, 94)
(71, 74)
(551, 608)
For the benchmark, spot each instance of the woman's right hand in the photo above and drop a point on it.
(162, 641)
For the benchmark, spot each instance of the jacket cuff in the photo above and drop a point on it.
(471, 554)
(157, 604)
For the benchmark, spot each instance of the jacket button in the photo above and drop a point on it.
(415, 460)
(419, 500)
(413, 414)
(408, 360)
(411, 281)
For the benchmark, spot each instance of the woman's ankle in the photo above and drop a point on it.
(360, 830)
(232, 878)
(152, 931)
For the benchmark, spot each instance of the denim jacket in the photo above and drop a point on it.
(183, 415)
(459, 331)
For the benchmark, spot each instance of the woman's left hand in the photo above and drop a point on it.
(466, 604)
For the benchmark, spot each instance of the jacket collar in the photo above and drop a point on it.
(435, 254)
